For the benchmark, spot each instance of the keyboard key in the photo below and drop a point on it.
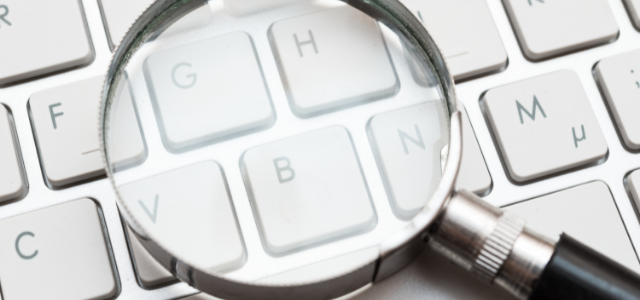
(13, 184)
(407, 143)
(633, 184)
(64, 121)
(474, 175)
(634, 11)
(332, 59)
(59, 252)
(586, 212)
(150, 273)
(40, 37)
(465, 33)
(119, 15)
(619, 79)
(550, 28)
(544, 125)
(238, 103)
(307, 189)
(189, 212)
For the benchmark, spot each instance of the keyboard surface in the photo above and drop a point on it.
(555, 88)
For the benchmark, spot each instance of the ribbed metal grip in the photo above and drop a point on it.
(493, 245)
(497, 247)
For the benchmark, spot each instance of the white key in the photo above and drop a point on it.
(544, 125)
(619, 79)
(245, 7)
(549, 28)
(633, 184)
(150, 273)
(634, 11)
(474, 175)
(331, 59)
(65, 124)
(465, 33)
(220, 87)
(13, 184)
(587, 213)
(307, 189)
(189, 212)
(60, 252)
(40, 37)
(408, 143)
(119, 15)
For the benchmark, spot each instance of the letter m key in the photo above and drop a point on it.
(532, 115)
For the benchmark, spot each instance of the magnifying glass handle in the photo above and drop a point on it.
(497, 248)
(576, 271)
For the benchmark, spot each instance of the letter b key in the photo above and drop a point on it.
(549, 128)
(311, 181)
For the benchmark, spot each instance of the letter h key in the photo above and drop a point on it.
(545, 130)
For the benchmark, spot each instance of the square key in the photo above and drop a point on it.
(547, 28)
(307, 189)
(189, 212)
(465, 33)
(208, 90)
(332, 59)
(619, 79)
(65, 127)
(57, 253)
(13, 183)
(42, 37)
(544, 125)
(407, 143)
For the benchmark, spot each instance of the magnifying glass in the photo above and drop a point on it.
(308, 149)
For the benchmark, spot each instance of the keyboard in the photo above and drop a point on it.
(550, 92)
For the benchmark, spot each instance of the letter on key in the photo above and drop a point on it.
(208, 90)
(325, 197)
(332, 59)
(544, 125)
(65, 127)
(60, 252)
(189, 211)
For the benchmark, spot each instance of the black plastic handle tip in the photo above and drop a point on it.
(576, 271)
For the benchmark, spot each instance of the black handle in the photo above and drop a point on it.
(576, 271)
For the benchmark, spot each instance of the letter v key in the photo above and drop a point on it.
(155, 209)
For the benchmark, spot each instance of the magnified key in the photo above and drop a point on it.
(193, 197)
(307, 189)
(332, 59)
(407, 142)
(208, 90)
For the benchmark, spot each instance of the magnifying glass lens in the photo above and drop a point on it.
(273, 144)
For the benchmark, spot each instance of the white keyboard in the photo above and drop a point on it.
(550, 88)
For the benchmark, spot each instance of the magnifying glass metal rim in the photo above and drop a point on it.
(394, 253)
